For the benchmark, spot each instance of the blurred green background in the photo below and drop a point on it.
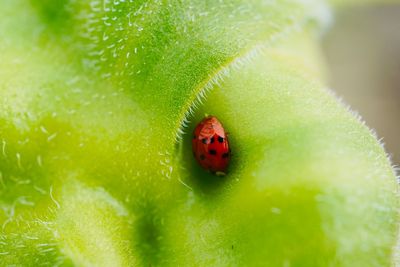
(363, 53)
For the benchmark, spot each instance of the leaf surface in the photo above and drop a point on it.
(96, 100)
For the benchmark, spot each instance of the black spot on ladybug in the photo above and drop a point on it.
(220, 139)
(202, 157)
(212, 140)
(204, 140)
(212, 152)
(225, 155)
(194, 137)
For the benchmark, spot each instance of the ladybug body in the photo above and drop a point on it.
(210, 145)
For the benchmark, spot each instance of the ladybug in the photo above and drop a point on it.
(211, 146)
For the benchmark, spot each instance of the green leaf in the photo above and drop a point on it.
(97, 103)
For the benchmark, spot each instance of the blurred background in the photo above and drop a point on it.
(363, 54)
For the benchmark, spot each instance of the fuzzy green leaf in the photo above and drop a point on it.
(97, 103)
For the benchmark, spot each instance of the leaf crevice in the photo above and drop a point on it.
(217, 77)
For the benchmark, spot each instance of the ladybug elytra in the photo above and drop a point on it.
(211, 146)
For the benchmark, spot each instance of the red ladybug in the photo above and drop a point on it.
(210, 145)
